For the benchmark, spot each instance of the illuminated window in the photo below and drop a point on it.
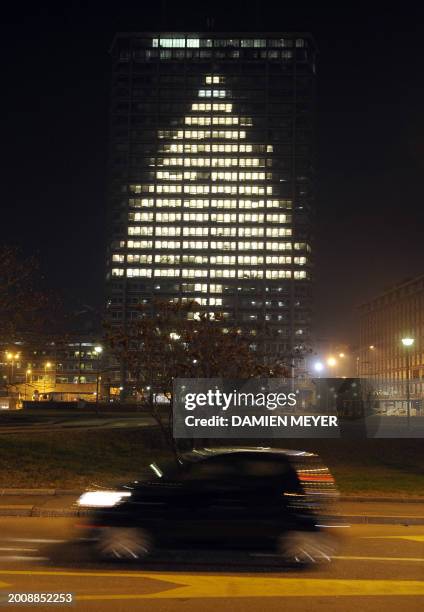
(168, 217)
(224, 217)
(196, 217)
(139, 258)
(140, 244)
(223, 259)
(140, 231)
(140, 216)
(193, 273)
(253, 260)
(278, 231)
(195, 244)
(278, 246)
(224, 246)
(278, 259)
(250, 274)
(251, 246)
(300, 261)
(167, 272)
(251, 218)
(214, 79)
(278, 274)
(168, 231)
(167, 244)
(132, 272)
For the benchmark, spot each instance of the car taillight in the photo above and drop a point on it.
(316, 478)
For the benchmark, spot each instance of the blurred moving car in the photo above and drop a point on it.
(251, 498)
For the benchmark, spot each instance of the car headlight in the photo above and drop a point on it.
(102, 499)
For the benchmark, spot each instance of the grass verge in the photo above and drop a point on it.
(75, 459)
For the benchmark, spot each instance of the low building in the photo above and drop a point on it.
(64, 370)
(395, 365)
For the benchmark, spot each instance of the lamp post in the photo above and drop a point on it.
(47, 366)
(11, 358)
(98, 350)
(27, 375)
(408, 343)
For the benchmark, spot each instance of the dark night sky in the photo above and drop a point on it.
(370, 136)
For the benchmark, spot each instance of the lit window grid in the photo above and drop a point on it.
(169, 217)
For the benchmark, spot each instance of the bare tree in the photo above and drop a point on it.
(163, 344)
(24, 307)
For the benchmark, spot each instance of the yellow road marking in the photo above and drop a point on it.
(216, 586)
(199, 587)
(413, 538)
(413, 559)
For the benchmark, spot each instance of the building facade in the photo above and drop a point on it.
(62, 370)
(211, 180)
(393, 316)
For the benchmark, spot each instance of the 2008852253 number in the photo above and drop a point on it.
(39, 598)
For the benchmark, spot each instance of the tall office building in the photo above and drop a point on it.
(211, 190)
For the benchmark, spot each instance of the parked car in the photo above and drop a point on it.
(249, 498)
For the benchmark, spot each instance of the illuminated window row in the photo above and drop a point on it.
(216, 106)
(176, 42)
(223, 162)
(238, 176)
(257, 43)
(213, 78)
(212, 93)
(217, 148)
(217, 120)
(213, 231)
(253, 260)
(140, 244)
(215, 176)
(206, 203)
(222, 246)
(202, 134)
(213, 273)
(206, 189)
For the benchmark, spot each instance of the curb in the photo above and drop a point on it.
(342, 498)
(37, 512)
(73, 512)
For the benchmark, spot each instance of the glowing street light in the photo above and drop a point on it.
(332, 362)
(98, 350)
(408, 343)
(342, 355)
(318, 366)
(12, 358)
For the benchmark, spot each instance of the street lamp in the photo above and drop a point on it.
(318, 367)
(332, 362)
(27, 374)
(408, 343)
(11, 358)
(47, 366)
(98, 350)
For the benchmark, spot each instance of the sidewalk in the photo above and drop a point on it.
(355, 509)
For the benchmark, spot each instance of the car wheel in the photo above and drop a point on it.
(122, 543)
(307, 547)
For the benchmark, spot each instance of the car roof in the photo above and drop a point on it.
(207, 453)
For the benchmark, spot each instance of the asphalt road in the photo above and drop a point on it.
(380, 567)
